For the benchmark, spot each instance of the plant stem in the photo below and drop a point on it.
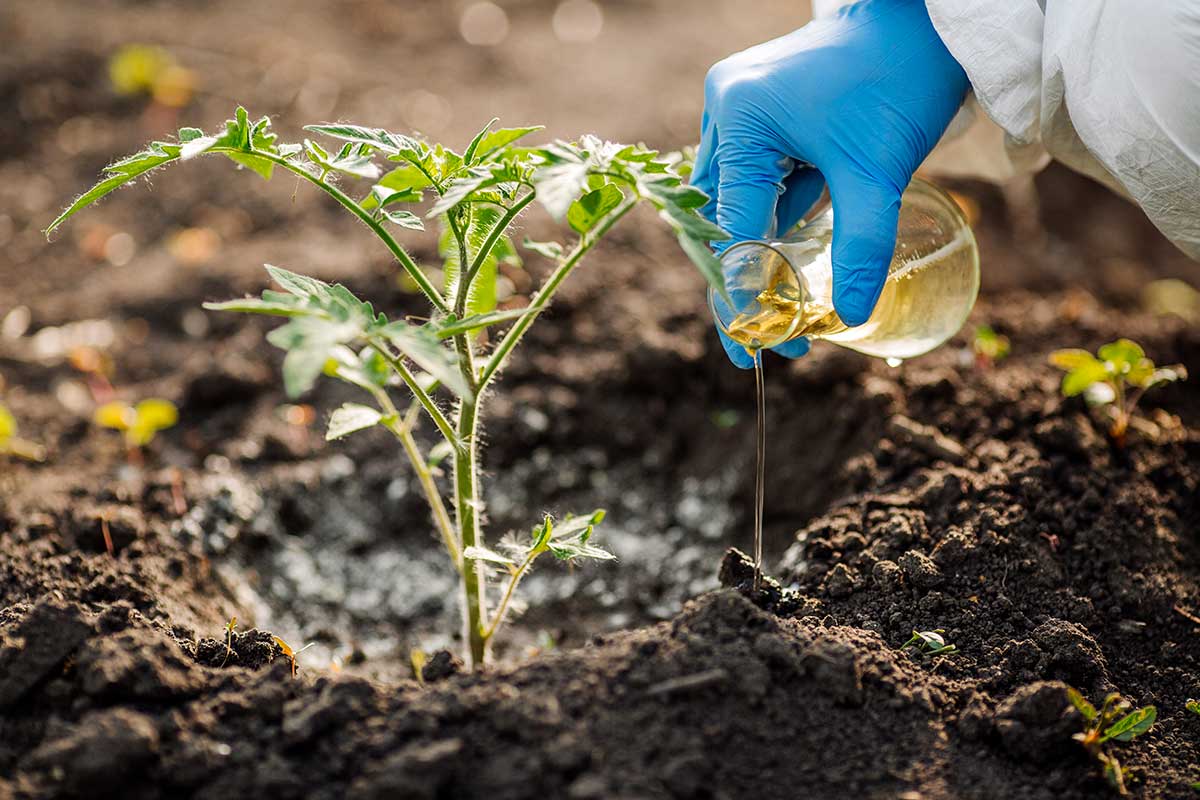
(546, 292)
(410, 380)
(474, 580)
(364, 216)
(493, 236)
(502, 609)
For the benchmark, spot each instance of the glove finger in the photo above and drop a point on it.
(748, 188)
(705, 172)
(801, 189)
(791, 349)
(865, 214)
(737, 354)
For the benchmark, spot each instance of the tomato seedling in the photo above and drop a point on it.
(291, 654)
(13, 445)
(930, 643)
(476, 198)
(1114, 379)
(1112, 722)
(989, 346)
(140, 423)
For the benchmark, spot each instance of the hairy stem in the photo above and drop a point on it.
(490, 242)
(406, 261)
(514, 579)
(546, 292)
(402, 430)
(410, 380)
(474, 582)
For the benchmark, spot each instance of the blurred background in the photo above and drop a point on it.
(622, 397)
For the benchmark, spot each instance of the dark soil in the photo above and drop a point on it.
(940, 495)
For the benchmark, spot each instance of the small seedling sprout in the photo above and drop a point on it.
(989, 346)
(930, 643)
(1115, 378)
(13, 445)
(448, 361)
(229, 629)
(140, 423)
(1112, 722)
(290, 653)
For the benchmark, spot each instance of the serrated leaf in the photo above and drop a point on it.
(693, 225)
(423, 348)
(475, 322)
(118, 174)
(350, 418)
(405, 219)
(588, 210)
(388, 142)
(495, 141)
(551, 250)
(1081, 704)
(1131, 725)
(559, 184)
(475, 553)
(404, 183)
(299, 285)
(469, 154)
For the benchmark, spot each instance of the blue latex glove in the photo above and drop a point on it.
(858, 100)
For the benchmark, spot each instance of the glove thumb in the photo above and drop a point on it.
(865, 214)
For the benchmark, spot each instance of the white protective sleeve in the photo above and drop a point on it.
(1109, 87)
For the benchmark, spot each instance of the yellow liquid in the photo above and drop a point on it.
(786, 288)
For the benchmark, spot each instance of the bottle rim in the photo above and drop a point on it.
(712, 293)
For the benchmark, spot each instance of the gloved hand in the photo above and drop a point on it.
(856, 100)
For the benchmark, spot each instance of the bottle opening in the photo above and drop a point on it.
(765, 296)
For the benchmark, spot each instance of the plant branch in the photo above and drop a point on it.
(514, 579)
(364, 216)
(493, 236)
(547, 290)
(410, 380)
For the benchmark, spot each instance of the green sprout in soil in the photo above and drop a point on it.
(930, 643)
(448, 362)
(989, 346)
(13, 445)
(290, 654)
(1194, 707)
(229, 629)
(140, 423)
(1112, 722)
(1114, 379)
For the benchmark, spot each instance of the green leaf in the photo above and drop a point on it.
(405, 219)
(393, 143)
(352, 159)
(1193, 706)
(299, 285)
(151, 416)
(588, 210)
(423, 348)
(452, 327)
(120, 173)
(705, 261)
(688, 222)
(551, 250)
(8, 425)
(439, 453)
(1123, 353)
(351, 417)
(1131, 726)
(469, 154)
(1071, 358)
(462, 188)
(559, 184)
(475, 553)
(251, 305)
(1080, 378)
(404, 183)
(1081, 704)
(569, 540)
(495, 141)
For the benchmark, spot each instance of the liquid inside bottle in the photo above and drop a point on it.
(782, 290)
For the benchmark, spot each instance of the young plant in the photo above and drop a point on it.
(1115, 379)
(290, 654)
(476, 198)
(989, 347)
(230, 627)
(1112, 722)
(140, 423)
(930, 643)
(13, 445)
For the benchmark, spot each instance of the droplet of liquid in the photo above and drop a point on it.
(894, 362)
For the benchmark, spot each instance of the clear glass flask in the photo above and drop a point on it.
(783, 289)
